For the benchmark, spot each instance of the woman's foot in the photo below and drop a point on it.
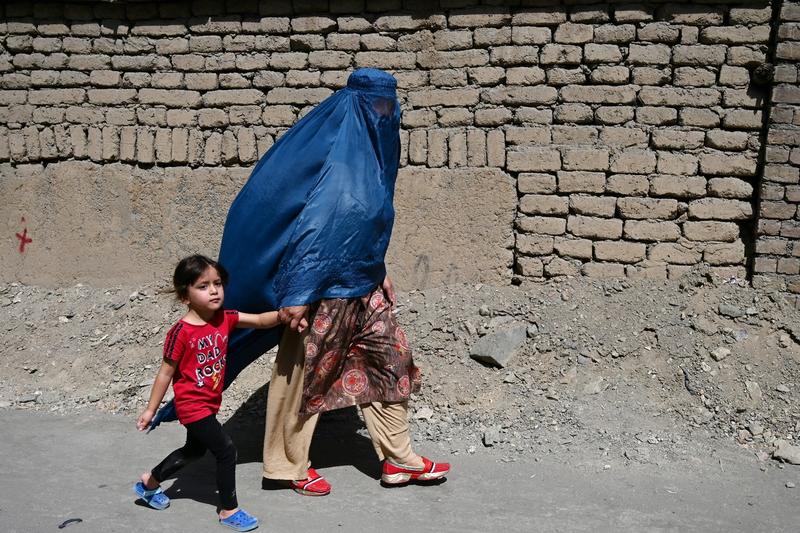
(238, 519)
(313, 485)
(415, 461)
(398, 474)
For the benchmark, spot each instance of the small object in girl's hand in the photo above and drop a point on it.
(69, 522)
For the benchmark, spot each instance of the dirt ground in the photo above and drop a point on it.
(607, 371)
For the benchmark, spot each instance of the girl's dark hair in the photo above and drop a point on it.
(192, 267)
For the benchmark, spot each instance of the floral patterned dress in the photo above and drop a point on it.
(355, 353)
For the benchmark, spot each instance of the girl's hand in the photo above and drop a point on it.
(143, 422)
(302, 325)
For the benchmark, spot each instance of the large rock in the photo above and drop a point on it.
(786, 452)
(497, 348)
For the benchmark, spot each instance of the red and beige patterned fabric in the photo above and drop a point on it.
(355, 353)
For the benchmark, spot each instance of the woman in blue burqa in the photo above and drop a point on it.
(307, 235)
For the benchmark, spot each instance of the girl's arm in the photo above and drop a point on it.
(262, 321)
(160, 386)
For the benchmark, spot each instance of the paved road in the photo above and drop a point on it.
(55, 468)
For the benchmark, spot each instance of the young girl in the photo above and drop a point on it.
(194, 361)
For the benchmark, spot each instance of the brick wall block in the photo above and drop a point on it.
(720, 209)
(538, 204)
(727, 164)
(516, 96)
(676, 253)
(711, 231)
(533, 160)
(592, 205)
(561, 267)
(541, 225)
(586, 159)
(628, 184)
(170, 98)
(581, 182)
(594, 228)
(730, 188)
(678, 186)
(619, 251)
(534, 244)
(647, 230)
(645, 208)
(573, 248)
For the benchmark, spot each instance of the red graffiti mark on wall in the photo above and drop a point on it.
(23, 237)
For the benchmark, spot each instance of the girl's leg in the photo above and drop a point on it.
(210, 432)
(387, 424)
(287, 438)
(191, 451)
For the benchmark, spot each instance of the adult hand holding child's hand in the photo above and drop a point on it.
(294, 316)
(388, 289)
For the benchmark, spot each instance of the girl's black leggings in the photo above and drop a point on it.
(205, 434)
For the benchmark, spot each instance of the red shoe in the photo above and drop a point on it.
(395, 474)
(313, 485)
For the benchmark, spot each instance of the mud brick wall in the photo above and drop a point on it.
(777, 253)
(645, 166)
(605, 139)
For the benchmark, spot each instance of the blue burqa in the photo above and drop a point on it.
(314, 219)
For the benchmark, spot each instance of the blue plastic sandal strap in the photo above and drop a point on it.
(241, 520)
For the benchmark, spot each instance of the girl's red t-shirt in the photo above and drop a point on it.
(199, 351)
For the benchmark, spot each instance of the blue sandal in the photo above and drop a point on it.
(154, 498)
(240, 521)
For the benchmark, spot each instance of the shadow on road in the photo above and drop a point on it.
(340, 439)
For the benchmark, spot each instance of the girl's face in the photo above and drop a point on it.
(206, 295)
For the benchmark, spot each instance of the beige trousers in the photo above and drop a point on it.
(287, 439)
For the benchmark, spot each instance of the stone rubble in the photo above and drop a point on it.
(626, 365)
